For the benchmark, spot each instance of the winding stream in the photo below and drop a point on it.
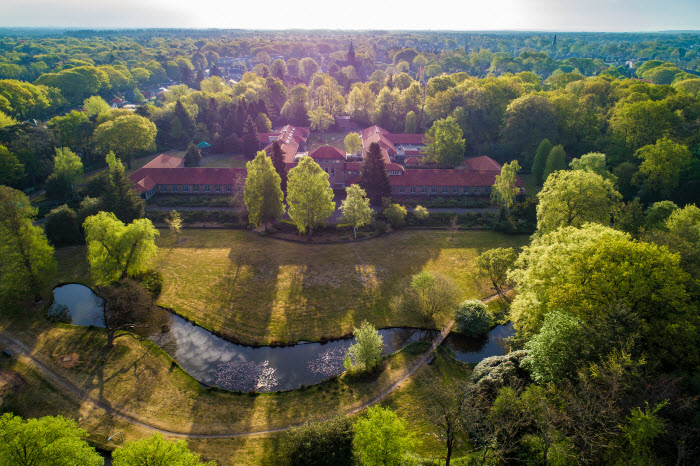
(217, 362)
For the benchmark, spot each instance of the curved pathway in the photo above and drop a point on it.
(25, 352)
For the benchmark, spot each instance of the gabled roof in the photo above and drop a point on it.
(365, 133)
(443, 177)
(145, 184)
(290, 138)
(328, 152)
(189, 175)
(165, 161)
(482, 163)
(406, 138)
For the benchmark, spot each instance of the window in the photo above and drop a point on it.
(433, 189)
(218, 188)
(195, 188)
(444, 189)
(332, 171)
(164, 188)
(466, 190)
(455, 189)
(477, 190)
(402, 189)
(424, 189)
(413, 189)
(228, 188)
(487, 189)
(185, 188)
(206, 188)
(174, 188)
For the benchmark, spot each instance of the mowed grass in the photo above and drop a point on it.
(258, 290)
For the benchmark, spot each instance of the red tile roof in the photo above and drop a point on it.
(165, 161)
(290, 138)
(482, 163)
(189, 175)
(365, 133)
(443, 177)
(145, 185)
(328, 152)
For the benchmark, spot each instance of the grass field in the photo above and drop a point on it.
(259, 290)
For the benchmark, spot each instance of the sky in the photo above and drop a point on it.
(467, 15)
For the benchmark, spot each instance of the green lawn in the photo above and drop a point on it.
(260, 290)
(334, 139)
(224, 161)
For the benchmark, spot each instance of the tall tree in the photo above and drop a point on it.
(366, 352)
(540, 160)
(528, 120)
(320, 120)
(67, 168)
(556, 160)
(156, 450)
(381, 438)
(116, 250)
(494, 265)
(505, 186)
(46, 441)
(309, 196)
(11, 171)
(26, 258)
(262, 194)
(119, 197)
(593, 162)
(193, 156)
(355, 208)
(278, 162)
(353, 143)
(445, 143)
(250, 138)
(572, 198)
(445, 412)
(126, 136)
(321, 442)
(127, 306)
(373, 176)
(662, 164)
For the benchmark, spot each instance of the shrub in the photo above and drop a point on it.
(396, 214)
(421, 213)
(321, 442)
(152, 281)
(62, 226)
(380, 227)
(473, 318)
(499, 371)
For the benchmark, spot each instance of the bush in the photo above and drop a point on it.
(59, 313)
(496, 372)
(396, 214)
(473, 318)
(152, 282)
(320, 443)
(421, 213)
(380, 227)
(62, 226)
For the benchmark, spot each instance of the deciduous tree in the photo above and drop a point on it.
(505, 186)
(262, 193)
(445, 144)
(494, 264)
(156, 450)
(126, 136)
(381, 438)
(309, 196)
(353, 143)
(116, 250)
(366, 352)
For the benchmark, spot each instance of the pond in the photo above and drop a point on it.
(473, 350)
(217, 362)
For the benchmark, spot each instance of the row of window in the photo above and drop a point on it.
(185, 188)
(330, 171)
(444, 190)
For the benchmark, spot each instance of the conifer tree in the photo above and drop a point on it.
(119, 197)
(540, 160)
(277, 157)
(250, 138)
(193, 156)
(556, 160)
(373, 177)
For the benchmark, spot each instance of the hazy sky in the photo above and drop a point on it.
(557, 15)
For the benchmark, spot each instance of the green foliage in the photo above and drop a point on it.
(572, 198)
(473, 318)
(556, 160)
(262, 192)
(309, 196)
(119, 197)
(643, 427)
(126, 136)
(373, 176)
(528, 120)
(156, 450)
(421, 213)
(116, 250)
(319, 443)
(26, 258)
(428, 294)
(582, 269)
(445, 144)
(174, 222)
(193, 156)
(353, 143)
(593, 162)
(554, 352)
(494, 265)
(62, 226)
(505, 185)
(46, 441)
(11, 171)
(381, 438)
(411, 125)
(662, 164)
(495, 372)
(540, 160)
(95, 105)
(355, 208)
(396, 214)
(366, 352)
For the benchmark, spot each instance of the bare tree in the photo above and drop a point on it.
(127, 306)
(445, 412)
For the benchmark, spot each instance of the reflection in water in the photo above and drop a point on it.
(473, 350)
(215, 361)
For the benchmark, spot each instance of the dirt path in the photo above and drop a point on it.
(25, 354)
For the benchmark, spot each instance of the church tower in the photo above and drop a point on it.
(351, 55)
